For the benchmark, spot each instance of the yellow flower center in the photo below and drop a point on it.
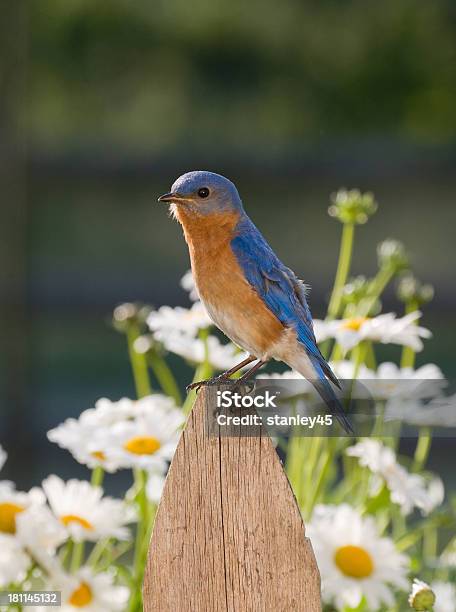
(142, 445)
(354, 561)
(82, 596)
(99, 455)
(8, 514)
(355, 323)
(73, 518)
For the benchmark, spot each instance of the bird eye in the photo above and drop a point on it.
(203, 192)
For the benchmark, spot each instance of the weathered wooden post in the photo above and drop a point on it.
(228, 535)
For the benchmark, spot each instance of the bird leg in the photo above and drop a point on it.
(238, 383)
(224, 377)
(250, 372)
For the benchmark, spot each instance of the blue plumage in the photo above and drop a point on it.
(284, 294)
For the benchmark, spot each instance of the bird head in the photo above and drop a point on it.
(201, 193)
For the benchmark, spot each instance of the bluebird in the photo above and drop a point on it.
(250, 295)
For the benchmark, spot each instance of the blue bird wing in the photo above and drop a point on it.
(279, 288)
(285, 295)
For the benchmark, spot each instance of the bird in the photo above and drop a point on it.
(250, 295)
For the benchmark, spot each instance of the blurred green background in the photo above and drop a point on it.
(104, 104)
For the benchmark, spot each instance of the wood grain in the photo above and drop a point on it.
(228, 534)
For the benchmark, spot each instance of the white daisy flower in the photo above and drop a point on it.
(188, 283)
(87, 591)
(37, 529)
(221, 356)
(435, 495)
(148, 442)
(445, 596)
(385, 328)
(187, 321)
(438, 412)
(13, 502)
(84, 512)
(354, 561)
(3, 456)
(410, 490)
(108, 412)
(84, 443)
(422, 596)
(373, 455)
(391, 381)
(347, 370)
(88, 437)
(14, 562)
(407, 490)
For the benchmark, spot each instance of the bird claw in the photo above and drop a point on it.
(196, 385)
(201, 383)
(204, 383)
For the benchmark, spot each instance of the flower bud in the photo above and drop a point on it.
(352, 206)
(392, 254)
(128, 313)
(410, 289)
(355, 290)
(422, 596)
(143, 344)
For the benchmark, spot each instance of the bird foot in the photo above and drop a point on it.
(207, 383)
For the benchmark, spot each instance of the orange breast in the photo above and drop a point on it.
(231, 302)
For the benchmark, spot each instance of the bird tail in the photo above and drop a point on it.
(323, 386)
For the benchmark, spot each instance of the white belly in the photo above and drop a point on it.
(229, 325)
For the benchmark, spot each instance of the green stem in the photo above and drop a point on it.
(138, 363)
(408, 354)
(138, 564)
(377, 431)
(165, 377)
(140, 481)
(78, 554)
(371, 361)
(291, 462)
(359, 358)
(143, 388)
(202, 372)
(430, 544)
(343, 268)
(148, 532)
(383, 277)
(298, 464)
(408, 357)
(294, 450)
(337, 353)
(97, 551)
(423, 447)
(325, 463)
(112, 554)
(408, 540)
(66, 553)
(97, 477)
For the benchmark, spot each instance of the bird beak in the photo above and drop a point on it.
(170, 197)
